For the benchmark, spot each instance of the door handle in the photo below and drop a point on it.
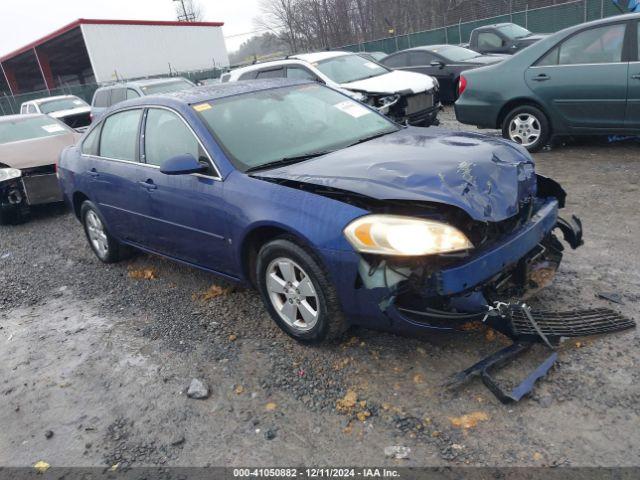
(148, 184)
(541, 78)
(93, 173)
(636, 76)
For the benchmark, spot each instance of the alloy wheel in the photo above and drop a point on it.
(97, 234)
(292, 294)
(525, 129)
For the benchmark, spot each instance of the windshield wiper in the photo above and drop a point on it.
(366, 139)
(288, 161)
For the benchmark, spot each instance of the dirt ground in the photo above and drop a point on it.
(95, 360)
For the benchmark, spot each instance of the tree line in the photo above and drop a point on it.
(324, 24)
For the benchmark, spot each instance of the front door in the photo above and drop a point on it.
(583, 80)
(188, 218)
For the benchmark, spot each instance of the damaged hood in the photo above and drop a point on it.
(36, 152)
(484, 176)
(396, 81)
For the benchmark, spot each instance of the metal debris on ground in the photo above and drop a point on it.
(612, 297)
(526, 327)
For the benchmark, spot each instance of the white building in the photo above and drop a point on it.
(95, 51)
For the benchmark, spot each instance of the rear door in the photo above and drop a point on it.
(115, 175)
(187, 214)
(633, 100)
(583, 80)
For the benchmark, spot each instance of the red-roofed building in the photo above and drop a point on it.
(94, 51)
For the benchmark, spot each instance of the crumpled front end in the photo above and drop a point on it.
(513, 259)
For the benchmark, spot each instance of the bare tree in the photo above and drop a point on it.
(189, 11)
(324, 24)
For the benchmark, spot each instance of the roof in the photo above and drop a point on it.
(319, 56)
(144, 82)
(221, 90)
(92, 21)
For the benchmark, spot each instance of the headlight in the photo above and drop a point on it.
(404, 236)
(9, 173)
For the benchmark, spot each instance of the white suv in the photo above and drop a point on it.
(406, 97)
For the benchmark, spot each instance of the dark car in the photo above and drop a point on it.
(444, 62)
(373, 56)
(507, 38)
(335, 213)
(584, 80)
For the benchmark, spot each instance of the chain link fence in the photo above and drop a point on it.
(457, 25)
(10, 104)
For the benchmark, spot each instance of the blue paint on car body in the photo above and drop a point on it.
(206, 221)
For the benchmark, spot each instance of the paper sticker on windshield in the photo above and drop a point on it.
(371, 65)
(352, 108)
(202, 107)
(53, 128)
(78, 102)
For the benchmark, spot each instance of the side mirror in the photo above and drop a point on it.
(437, 63)
(183, 165)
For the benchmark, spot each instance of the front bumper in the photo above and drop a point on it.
(375, 305)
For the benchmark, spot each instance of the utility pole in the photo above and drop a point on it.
(186, 16)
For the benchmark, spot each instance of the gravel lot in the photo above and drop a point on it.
(95, 360)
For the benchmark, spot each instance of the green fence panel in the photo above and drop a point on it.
(540, 20)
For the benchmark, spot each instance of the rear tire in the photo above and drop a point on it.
(104, 246)
(298, 293)
(528, 126)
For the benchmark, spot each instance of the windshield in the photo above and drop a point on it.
(61, 104)
(350, 68)
(456, 54)
(167, 87)
(265, 127)
(514, 31)
(30, 128)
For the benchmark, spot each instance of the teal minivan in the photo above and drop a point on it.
(584, 80)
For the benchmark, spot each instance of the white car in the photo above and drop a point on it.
(406, 97)
(69, 109)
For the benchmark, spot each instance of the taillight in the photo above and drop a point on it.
(462, 85)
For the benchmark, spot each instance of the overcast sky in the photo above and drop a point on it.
(23, 21)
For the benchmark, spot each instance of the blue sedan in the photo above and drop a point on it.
(337, 215)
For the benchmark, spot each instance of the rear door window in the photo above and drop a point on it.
(272, 73)
(118, 95)
(90, 144)
(397, 61)
(31, 108)
(119, 139)
(421, 59)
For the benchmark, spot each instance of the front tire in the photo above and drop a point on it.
(298, 293)
(105, 247)
(527, 126)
